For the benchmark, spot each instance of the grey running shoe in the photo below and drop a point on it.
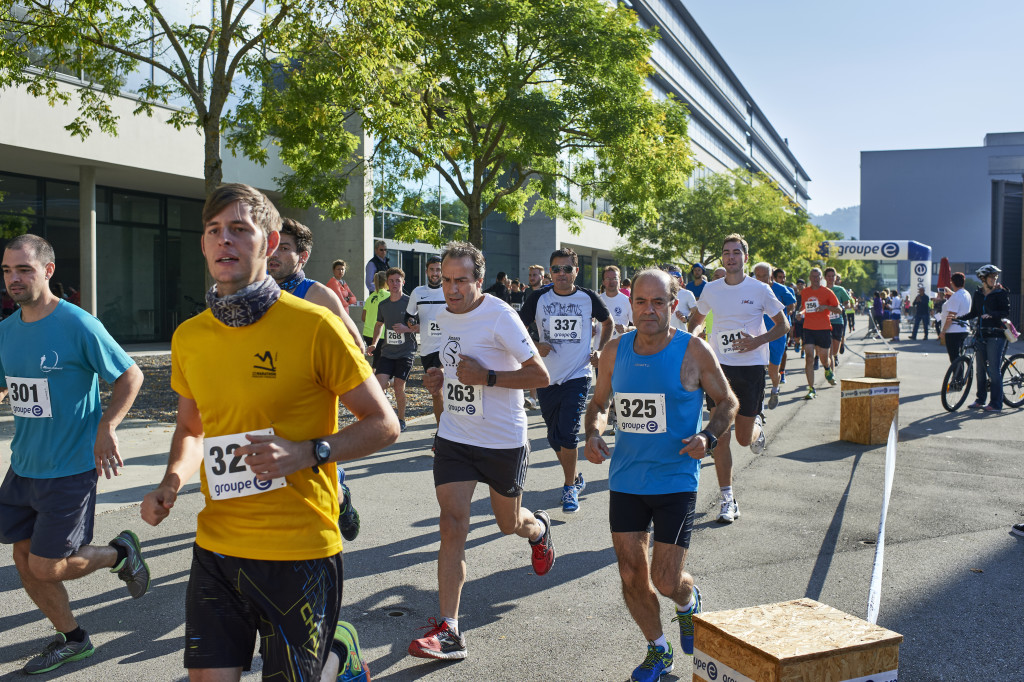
(757, 447)
(773, 400)
(133, 569)
(58, 652)
(348, 518)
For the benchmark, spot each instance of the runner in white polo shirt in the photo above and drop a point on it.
(740, 341)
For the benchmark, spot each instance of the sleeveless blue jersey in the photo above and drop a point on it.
(646, 462)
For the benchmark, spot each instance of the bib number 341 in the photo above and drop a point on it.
(226, 473)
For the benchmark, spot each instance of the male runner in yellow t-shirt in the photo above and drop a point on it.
(259, 376)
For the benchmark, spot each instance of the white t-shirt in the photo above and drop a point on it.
(739, 308)
(493, 335)
(564, 323)
(620, 310)
(959, 304)
(686, 303)
(426, 302)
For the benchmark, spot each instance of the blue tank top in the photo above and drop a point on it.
(646, 459)
(302, 287)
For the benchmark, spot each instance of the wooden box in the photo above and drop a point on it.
(890, 328)
(880, 364)
(866, 409)
(793, 641)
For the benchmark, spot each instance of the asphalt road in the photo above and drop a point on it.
(953, 583)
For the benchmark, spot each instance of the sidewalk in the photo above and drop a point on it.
(953, 582)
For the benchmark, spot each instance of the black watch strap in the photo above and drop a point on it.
(492, 377)
(712, 441)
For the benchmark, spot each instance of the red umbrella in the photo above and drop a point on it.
(944, 274)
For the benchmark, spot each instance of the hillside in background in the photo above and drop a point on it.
(845, 220)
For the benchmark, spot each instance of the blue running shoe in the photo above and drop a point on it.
(685, 619)
(570, 499)
(580, 483)
(658, 662)
(352, 668)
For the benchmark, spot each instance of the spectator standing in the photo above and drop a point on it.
(378, 263)
(339, 286)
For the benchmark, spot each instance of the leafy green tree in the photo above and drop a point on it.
(190, 60)
(521, 106)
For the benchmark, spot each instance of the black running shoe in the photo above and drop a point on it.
(58, 652)
(348, 519)
(132, 569)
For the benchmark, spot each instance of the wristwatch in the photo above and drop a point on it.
(321, 453)
(712, 441)
(492, 377)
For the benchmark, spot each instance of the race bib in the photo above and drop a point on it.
(811, 306)
(566, 328)
(835, 317)
(29, 397)
(433, 329)
(640, 412)
(395, 338)
(726, 338)
(463, 400)
(226, 474)
(517, 307)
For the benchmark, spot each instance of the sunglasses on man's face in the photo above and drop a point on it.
(567, 269)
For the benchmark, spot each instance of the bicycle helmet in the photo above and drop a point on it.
(986, 270)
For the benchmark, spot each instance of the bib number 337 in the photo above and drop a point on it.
(226, 473)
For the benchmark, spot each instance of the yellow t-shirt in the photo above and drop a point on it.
(286, 371)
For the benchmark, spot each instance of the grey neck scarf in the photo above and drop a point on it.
(245, 306)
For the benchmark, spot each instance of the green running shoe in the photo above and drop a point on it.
(352, 668)
(57, 653)
(132, 569)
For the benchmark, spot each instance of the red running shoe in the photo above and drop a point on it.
(440, 643)
(544, 549)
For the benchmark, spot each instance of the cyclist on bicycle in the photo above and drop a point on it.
(952, 333)
(990, 304)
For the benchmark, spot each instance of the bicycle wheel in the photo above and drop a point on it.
(956, 385)
(1013, 380)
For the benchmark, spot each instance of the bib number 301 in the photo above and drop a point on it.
(226, 473)
(463, 400)
(29, 397)
(640, 412)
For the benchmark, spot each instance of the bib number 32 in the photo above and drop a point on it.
(226, 474)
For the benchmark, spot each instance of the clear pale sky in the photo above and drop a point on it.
(838, 78)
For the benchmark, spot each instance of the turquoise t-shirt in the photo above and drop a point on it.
(53, 364)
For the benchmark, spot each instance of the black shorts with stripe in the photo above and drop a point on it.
(503, 469)
(672, 514)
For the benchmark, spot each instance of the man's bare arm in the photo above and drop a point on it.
(185, 458)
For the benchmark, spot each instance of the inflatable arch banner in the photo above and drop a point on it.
(919, 255)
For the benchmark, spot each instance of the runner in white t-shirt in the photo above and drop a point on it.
(488, 359)
(425, 302)
(563, 314)
(685, 300)
(740, 341)
(616, 301)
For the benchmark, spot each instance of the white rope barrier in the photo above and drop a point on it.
(875, 591)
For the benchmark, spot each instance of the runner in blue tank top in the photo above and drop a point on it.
(659, 376)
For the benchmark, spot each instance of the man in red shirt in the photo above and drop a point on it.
(816, 302)
(339, 286)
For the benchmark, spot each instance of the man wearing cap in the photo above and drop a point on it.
(698, 280)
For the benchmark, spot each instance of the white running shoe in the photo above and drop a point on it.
(729, 512)
(757, 447)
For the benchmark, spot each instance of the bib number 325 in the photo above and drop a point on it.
(641, 412)
(226, 473)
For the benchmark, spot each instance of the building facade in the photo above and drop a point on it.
(123, 212)
(960, 201)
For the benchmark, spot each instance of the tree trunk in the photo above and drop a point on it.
(213, 169)
(476, 229)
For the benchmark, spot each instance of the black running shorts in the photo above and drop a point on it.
(502, 469)
(292, 604)
(672, 514)
(56, 513)
(431, 360)
(398, 368)
(822, 338)
(747, 382)
(838, 331)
